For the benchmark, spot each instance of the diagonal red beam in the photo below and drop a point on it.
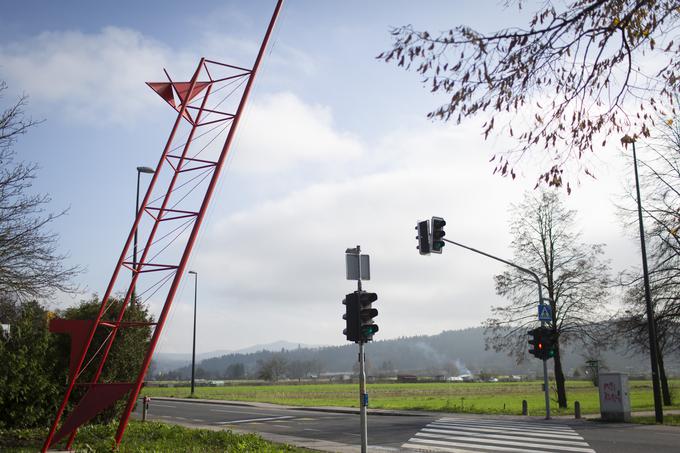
(114, 277)
(132, 398)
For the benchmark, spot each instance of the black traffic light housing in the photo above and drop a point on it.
(366, 315)
(353, 324)
(542, 343)
(550, 343)
(437, 242)
(423, 229)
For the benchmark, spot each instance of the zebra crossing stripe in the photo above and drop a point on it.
(427, 445)
(523, 442)
(540, 426)
(487, 429)
(459, 435)
(501, 436)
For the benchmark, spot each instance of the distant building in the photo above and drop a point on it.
(407, 378)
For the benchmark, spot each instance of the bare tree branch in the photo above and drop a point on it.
(565, 83)
(30, 265)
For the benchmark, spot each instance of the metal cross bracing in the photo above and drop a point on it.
(209, 108)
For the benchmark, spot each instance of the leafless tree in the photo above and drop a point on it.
(30, 266)
(574, 276)
(659, 169)
(579, 72)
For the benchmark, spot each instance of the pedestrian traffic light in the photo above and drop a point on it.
(423, 237)
(542, 343)
(366, 315)
(549, 343)
(437, 242)
(353, 324)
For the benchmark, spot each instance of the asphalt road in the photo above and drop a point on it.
(337, 430)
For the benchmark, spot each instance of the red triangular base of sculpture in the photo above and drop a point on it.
(97, 398)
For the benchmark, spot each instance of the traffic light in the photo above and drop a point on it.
(423, 237)
(550, 344)
(353, 328)
(437, 242)
(542, 343)
(366, 315)
(536, 343)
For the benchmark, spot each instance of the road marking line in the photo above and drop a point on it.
(526, 438)
(486, 429)
(496, 445)
(422, 447)
(445, 449)
(250, 420)
(498, 436)
(237, 412)
(509, 424)
(162, 405)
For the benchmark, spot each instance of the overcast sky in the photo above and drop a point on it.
(335, 150)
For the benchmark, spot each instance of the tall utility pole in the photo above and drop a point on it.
(658, 408)
(193, 348)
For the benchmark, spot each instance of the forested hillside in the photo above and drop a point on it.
(450, 353)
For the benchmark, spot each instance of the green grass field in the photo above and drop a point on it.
(487, 398)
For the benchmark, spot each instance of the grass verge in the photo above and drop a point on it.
(146, 438)
(483, 398)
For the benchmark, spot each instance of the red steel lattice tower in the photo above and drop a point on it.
(209, 107)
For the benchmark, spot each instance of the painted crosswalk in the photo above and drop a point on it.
(467, 435)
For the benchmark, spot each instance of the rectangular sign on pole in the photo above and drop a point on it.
(354, 269)
(544, 313)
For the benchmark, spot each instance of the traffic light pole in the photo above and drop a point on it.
(363, 396)
(546, 389)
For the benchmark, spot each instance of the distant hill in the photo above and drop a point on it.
(167, 361)
(451, 352)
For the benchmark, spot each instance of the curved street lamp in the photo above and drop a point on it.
(193, 348)
(658, 409)
(140, 170)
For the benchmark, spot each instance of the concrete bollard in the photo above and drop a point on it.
(577, 409)
(145, 407)
(525, 407)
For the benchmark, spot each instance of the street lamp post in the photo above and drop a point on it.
(658, 409)
(193, 348)
(140, 170)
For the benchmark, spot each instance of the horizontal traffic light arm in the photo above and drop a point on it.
(509, 263)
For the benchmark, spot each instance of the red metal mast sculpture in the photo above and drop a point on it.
(183, 185)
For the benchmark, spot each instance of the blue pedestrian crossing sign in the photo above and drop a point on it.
(544, 313)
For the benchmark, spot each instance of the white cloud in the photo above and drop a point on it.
(281, 131)
(99, 77)
(90, 78)
(280, 263)
(275, 269)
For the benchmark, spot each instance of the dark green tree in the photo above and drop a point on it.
(35, 361)
(273, 368)
(33, 372)
(128, 350)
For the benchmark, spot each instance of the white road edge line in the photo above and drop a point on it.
(248, 420)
